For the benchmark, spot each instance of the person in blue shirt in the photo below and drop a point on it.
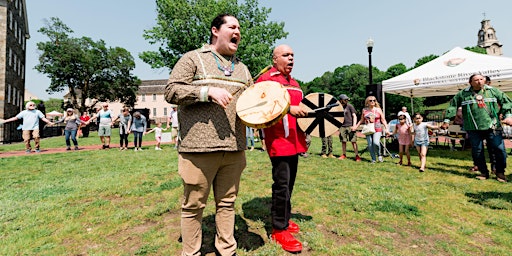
(30, 126)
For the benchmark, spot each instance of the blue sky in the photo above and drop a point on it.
(324, 34)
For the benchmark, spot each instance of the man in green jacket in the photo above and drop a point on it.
(481, 108)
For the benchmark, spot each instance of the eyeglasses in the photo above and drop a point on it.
(372, 100)
(401, 118)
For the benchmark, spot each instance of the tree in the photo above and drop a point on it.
(184, 25)
(54, 104)
(87, 69)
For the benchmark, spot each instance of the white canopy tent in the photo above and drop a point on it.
(449, 73)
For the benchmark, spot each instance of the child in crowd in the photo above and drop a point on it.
(403, 129)
(158, 134)
(421, 139)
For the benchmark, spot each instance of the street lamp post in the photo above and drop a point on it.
(369, 45)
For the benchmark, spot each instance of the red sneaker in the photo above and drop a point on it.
(286, 240)
(358, 159)
(293, 227)
(342, 157)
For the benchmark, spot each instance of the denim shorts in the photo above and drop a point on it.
(421, 143)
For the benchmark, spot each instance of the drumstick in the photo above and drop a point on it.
(253, 106)
(328, 106)
(267, 68)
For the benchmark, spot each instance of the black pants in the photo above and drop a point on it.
(284, 171)
(85, 131)
(123, 137)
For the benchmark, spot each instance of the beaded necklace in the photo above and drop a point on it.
(226, 69)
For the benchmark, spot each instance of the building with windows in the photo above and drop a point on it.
(13, 40)
(150, 97)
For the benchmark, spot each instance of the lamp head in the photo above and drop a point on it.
(369, 45)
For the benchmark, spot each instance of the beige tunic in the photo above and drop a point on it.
(206, 126)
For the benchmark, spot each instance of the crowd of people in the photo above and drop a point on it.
(79, 126)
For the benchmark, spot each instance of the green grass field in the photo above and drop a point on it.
(108, 202)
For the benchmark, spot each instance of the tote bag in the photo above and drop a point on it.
(368, 129)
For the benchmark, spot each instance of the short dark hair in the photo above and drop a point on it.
(217, 22)
(473, 75)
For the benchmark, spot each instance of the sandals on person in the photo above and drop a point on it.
(474, 169)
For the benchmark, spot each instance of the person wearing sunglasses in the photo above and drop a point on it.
(372, 113)
(30, 125)
(72, 122)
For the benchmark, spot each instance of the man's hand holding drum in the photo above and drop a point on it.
(297, 111)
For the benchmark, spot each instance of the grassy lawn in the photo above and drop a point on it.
(128, 203)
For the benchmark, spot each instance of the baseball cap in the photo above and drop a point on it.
(343, 97)
(446, 121)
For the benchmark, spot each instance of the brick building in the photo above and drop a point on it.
(13, 35)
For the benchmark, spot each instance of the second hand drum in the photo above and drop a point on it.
(325, 115)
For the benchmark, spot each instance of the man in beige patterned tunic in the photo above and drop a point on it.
(205, 84)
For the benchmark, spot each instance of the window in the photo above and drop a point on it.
(154, 97)
(165, 111)
(14, 91)
(10, 57)
(154, 111)
(8, 93)
(10, 20)
(143, 97)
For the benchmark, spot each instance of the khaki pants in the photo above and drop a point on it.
(27, 135)
(200, 172)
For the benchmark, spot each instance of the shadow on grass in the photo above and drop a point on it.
(258, 209)
(246, 240)
(453, 169)
(492, 200)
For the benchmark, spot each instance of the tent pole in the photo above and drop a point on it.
(384, 112)
(412, 105)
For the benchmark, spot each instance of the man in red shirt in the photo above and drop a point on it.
(284, 142)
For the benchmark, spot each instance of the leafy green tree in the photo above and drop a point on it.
(476, 49)
(184, 25)
(424, 60)
(87, 69)
(54, 104)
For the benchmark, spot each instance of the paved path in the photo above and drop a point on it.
(63, 149)
(508, 144)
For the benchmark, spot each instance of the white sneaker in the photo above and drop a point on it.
(140, 149)
(135, 149)
(156, 148)
(381, 159)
